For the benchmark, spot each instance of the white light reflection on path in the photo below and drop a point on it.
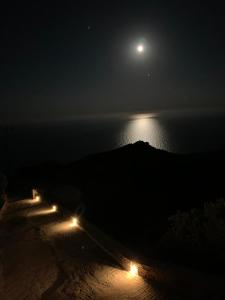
(144, 127)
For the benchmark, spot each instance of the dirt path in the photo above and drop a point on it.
(43, 257)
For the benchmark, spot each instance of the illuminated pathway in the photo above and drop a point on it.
(46, 256)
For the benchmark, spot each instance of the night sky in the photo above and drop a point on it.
(70, 58)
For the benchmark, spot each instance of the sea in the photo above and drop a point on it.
(68, 140)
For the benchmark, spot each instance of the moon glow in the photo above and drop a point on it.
(140, 48)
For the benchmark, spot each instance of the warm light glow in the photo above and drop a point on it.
(34, 193)
(56, 228)
(37, 198)
(54, 207)
(140, 48)
(28, 202)
(40, 212)
(117, 284)
(74, 222)
(133, 270)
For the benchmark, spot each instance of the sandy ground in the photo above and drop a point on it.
(43, 257)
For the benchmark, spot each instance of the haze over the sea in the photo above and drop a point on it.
(174, 131)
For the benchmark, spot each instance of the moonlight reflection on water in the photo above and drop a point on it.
(145, 128)
(177, 131)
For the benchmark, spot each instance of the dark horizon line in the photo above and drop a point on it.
(102, 115)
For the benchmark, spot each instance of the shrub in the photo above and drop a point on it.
(197, 237)
(198, 229)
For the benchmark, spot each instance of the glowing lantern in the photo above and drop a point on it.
(74, 222)
(54, 208)
(133, 270)
(34, 193)
(37, 198)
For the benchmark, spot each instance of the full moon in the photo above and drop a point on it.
(140, 48)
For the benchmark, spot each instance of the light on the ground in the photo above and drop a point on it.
(62, 227)
(133, 270)
(40, 211)
(54, 207)
(74, 222)
(37, 198)
(34, 193)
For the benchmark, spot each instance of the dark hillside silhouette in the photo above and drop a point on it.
(131, 192)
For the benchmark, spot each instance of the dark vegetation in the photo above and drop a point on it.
(132, 192)
(199, 234)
